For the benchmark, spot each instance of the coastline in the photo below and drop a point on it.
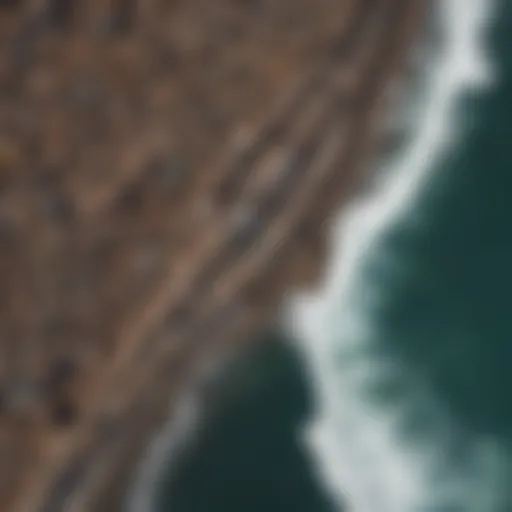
(122, 399)
(324, 212)
(349, 426)
(226, 403)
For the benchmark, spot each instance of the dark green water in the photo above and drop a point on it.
(448, 310)
(450, 304)
(247, 457)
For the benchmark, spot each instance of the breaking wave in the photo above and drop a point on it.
(383, 440)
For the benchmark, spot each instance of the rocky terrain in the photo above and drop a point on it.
(166, 168)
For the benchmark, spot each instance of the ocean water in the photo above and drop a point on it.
(247, 456)
(390, 390)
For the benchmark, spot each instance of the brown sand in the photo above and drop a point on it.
(165, 171)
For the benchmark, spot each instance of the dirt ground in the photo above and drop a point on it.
(166, 167)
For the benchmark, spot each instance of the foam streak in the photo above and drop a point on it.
(358, 453)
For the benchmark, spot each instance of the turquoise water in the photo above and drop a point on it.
(441, 309)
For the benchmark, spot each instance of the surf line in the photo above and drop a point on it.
(354, 449)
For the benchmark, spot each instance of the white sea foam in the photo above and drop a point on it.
(142, 497)
(361, 459)
(360, 456)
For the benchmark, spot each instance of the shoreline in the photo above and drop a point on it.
(240, 355)
(207, 401)
(462, 66)
(153, 343)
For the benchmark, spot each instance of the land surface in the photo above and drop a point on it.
(166, 168)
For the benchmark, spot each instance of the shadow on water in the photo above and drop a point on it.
(247, 457)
